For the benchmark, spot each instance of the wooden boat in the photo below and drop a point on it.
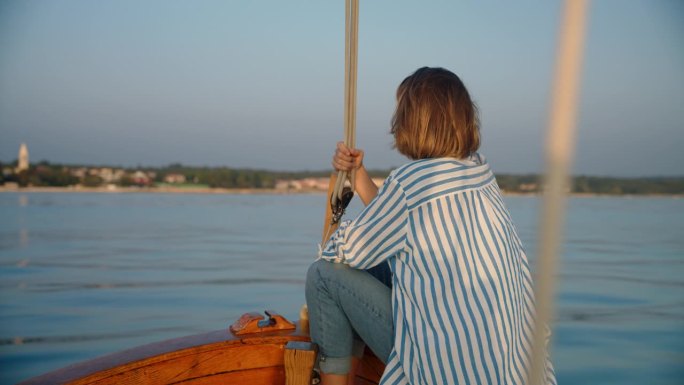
(254, 350)
(275, 351)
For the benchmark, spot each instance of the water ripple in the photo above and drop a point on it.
(88, 337)
(670, 311)
(605, 277)
(65, 286)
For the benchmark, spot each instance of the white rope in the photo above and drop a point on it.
(560, 147)
(350, 71)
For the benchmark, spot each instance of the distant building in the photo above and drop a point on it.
(528, 187)
(309, 184)
(23, 163)
(79, 172)
(106, 173)
(288, 184)
(175, 178)
(118, 174)
(140, 178)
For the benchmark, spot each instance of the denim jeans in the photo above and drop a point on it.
(347, 308)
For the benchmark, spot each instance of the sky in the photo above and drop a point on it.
(259, 84)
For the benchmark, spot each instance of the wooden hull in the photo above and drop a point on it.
(216, 357)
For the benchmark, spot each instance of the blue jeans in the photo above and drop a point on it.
(347, 308)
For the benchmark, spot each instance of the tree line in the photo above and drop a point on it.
(59, 175)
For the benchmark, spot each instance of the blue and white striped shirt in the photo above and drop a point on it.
(462, 293)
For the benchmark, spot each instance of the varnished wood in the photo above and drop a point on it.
(370, 368)
(209, 358)
(165, 362)
(273, 375)
(363, 381)
(304, 319)
(328, 228)
(300, 358)
(250, 323)
(193, 365)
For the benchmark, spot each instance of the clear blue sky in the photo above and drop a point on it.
(259, 83)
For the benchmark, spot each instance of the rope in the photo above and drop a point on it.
(560, 147)
(350, 71)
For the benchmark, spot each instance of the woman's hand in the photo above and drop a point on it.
(347, 159)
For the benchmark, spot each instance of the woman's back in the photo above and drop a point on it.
(463, 289)
(462, 297)
(462, 302)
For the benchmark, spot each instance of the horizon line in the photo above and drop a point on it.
(143, 167)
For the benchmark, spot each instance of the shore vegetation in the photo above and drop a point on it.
(179, 176)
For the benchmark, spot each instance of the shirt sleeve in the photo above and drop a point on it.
(376, 234)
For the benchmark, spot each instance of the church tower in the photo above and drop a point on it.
(23, 158)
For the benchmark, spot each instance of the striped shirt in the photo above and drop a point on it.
(462, 293)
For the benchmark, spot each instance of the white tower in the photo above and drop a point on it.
(23, 158)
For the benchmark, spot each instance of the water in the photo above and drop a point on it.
(82, 275)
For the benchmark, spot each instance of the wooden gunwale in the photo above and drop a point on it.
(213, 357)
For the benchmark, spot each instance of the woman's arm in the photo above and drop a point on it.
(378, 233)
(348, 159)
(365, 187)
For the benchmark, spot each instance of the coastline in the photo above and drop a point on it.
(264, 191)
(158, 190)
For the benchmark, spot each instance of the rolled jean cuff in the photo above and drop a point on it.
(335, 365)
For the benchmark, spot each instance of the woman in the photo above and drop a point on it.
(460, 309)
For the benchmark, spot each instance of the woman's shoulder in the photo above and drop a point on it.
(425, 179)
(439, 166)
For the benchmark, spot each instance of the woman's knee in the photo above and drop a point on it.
(321, 272)
(322, 268)
(313, 275)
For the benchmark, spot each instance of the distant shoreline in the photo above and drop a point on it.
(261, 191)
(161, 190)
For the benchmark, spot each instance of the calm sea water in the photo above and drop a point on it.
(82, 275)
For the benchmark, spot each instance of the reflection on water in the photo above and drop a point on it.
(70, 339)
(79, 286)
(23, 237)
(86, 274)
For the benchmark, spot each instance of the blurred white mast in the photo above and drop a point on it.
(559, 154)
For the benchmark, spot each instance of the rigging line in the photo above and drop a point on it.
(351, 55)
(354, 83)
(559, 152)
(342, 175)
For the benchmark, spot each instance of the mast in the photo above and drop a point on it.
(337, 198)
(559, 154)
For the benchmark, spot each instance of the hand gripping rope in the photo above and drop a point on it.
(340, 196)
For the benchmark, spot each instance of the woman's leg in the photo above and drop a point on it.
(342, 300)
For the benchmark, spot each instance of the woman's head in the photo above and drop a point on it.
(435, 116)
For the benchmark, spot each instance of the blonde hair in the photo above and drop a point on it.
(435, 116)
